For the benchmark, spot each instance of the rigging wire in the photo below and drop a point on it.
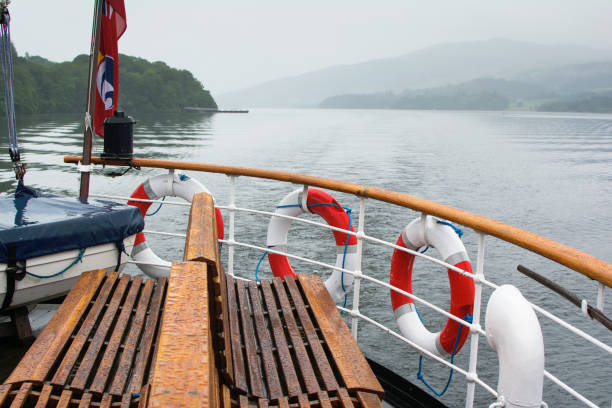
(6, 63)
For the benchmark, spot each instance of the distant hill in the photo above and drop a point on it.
(572, 79)
(594, 102)
(42, 86)
(577, 88)
(478, 94)
(435, 66)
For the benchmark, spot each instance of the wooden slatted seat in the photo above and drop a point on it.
(290, 345)
(199, 339)
(97, 348)
(278, 343)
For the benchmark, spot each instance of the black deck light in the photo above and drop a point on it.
(118, 137)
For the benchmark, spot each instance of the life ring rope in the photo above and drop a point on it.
(468, 318)
(339, 220)
(348, 211)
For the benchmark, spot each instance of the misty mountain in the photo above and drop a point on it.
(430, 67)
(571, 79)
(477, 94)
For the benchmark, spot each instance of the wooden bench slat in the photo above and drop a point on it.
(369, 400)
(106, 402)
(243, 401)
(226, 397)
(345, 398)
(144, 396)
(265, 344)
(5, 391)
(22, 395)
(303, 360)
(43, 398)
(62, 373)
(129, 348)
(303, 401)
(262, 403)
(183, 342)
(64, 400)
(126, 401)
(351, 363)
(240, 382)
(327, 374)
(324, 401)
(85, 400)
(283, 402)
(228, 369)
(45, 351)
(80, 380)
(255, 380)
(142, 358)
(284, 356)
(106, 365)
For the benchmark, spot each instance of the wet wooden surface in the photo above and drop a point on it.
(100, 340)
(181, 366)
(45, 351)
(201, 243)
(352, 365)
(280, 339)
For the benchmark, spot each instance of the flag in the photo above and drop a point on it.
(112, 26)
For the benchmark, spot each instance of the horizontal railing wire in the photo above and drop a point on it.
(365, 237)
(491, 285)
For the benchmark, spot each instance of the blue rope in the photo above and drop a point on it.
(259, 263)
(467, 318)
(77, 259)
(457, 230)
(158, 208)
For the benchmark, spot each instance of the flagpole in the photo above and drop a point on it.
(85, 169)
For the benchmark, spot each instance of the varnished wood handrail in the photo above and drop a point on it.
(579, 261)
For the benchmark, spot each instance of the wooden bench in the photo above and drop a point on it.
(199, 339)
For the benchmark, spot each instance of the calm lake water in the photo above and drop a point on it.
(548, 173)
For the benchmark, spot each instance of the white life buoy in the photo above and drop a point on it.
(176, 185)
(423, 232)
(323, 204)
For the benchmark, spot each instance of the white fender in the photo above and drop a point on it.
(514, 332)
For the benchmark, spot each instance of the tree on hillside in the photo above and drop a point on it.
(42, 86)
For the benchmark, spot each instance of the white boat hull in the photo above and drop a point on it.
(35, 290)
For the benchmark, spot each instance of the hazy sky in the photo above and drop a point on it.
(232, 44)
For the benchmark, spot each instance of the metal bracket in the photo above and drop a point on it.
(84, 168)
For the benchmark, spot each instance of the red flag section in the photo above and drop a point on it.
(112, 26)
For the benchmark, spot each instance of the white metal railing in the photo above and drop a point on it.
(355, 314)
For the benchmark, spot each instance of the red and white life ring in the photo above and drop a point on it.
(176, 185)
(323, 204)
(428, 232)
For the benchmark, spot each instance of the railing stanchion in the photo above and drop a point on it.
(357, 283)
(601, 296)
(474, 336)
(232, 210)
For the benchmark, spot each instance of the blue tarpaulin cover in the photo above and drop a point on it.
(42, 224)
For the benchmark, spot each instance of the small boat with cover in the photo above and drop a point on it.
(46, 240)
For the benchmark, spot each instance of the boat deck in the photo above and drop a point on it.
(200, 338)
